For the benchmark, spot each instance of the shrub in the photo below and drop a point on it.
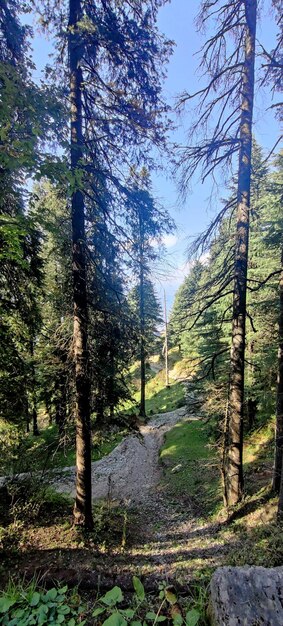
(21, 606)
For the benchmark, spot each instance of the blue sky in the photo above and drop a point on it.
(176, 20)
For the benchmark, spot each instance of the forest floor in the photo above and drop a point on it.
(130, 472)
(157, 514)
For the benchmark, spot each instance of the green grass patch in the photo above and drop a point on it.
(258, 457)
(188, 445)
(49, 450)
(160, 399)
(259, 444)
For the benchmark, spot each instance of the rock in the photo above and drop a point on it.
(176, 469)
(246, 596)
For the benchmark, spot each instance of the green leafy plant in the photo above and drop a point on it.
(138, 614)
(21, 606)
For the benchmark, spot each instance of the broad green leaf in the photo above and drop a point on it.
(15, 622)
(116, 619)
(35, 599)
(112, 597)
(71, 622)
(177, 619)
(139, 588)
(5, 604)
(42, 611)
(19, 613)
(98, 611)
(64, 609)
(136, 623)
(150, 615)
(52, 594)
(127, 613)
(192, 617)
(63, 590)
(170, 596)
(161, 618)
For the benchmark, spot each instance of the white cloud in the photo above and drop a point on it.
(169, 240)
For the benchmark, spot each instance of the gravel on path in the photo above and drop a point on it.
(131, 470)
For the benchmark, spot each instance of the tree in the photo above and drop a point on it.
(116, 60)
(50, 208)
(26, 116)
(147, 223)
(83, 502)
(234, 471)
(146, 310)
(112, 334)
(226, 107)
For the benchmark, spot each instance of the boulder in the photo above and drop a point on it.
(246, 596)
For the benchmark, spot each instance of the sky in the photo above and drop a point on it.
(192, 215)
(176, 20)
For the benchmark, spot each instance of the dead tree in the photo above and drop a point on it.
(279, 404)
(225, 113)
(234, 470)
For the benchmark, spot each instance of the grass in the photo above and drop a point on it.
(160, 399)
(187, 448)
(49, 451)
(191, 469)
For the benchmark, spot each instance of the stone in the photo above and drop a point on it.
(246, 596)
(176, 468)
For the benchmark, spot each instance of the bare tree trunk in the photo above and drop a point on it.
(142, 344)
(234, 469)
(82, 508)
(279, 407)
(142, 318)
(166, 343)
(35, 430)
(61, 404)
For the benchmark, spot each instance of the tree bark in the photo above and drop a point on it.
(142, 319)
(33, 392)
(279, 405)
(234, 469)
(82, 508)
(61, 404)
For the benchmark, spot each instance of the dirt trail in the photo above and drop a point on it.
(131, 470)
(160, 536)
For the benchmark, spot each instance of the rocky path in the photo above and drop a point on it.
(154, 533)
(165, 538)
(130, 472)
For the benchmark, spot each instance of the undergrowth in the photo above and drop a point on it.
(24, 605)
(49, 450)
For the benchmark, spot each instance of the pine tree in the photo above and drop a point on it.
(147, 223)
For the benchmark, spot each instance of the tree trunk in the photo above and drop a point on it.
(142, 321)
(279, 405)
(82, 508)
(234, 468)
(111, 383)
(61, 402)
(33, 392)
